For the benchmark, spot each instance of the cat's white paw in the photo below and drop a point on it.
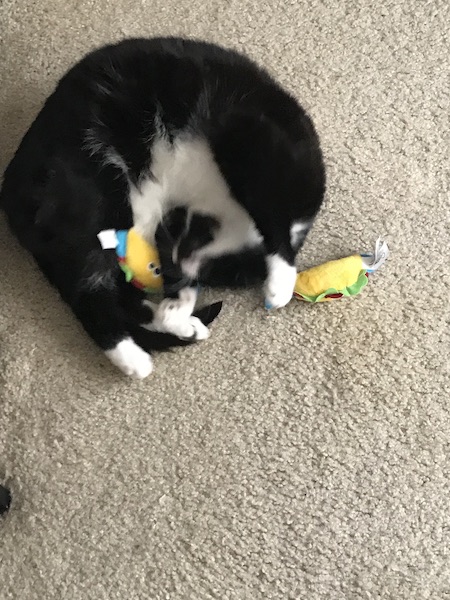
(131, 359)
(280, 282)
(175, 316)
(200, 331)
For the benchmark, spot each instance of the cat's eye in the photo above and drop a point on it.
(156, 271)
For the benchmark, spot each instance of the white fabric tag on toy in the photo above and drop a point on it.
(372, 262)
(108, 239)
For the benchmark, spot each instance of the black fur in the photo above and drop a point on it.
(59, 191)
(5, 499)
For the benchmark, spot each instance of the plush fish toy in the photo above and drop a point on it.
(137, 259)
(335, 279)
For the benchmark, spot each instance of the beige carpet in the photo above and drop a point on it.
(304, 455)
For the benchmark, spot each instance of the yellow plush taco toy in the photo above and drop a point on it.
(338, 278)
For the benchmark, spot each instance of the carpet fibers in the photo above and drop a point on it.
(301, 455)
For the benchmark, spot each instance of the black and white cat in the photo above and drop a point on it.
(196, 147)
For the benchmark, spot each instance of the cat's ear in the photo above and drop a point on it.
(208, 314)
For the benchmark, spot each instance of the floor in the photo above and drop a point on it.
(304, 455)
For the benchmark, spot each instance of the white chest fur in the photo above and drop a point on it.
(186, 173)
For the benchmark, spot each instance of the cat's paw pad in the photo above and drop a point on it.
(131, 359)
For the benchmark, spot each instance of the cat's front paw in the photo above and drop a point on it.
(277, 298)
(280, 283)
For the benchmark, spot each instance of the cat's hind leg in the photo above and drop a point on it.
(101, 316)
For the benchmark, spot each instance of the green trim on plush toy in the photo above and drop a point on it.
(351, 290)
(128, 272)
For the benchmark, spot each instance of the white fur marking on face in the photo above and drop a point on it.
(131, 359)
(280, 282)
(175, 316)
(298, 232)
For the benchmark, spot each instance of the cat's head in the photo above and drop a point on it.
(192, 238)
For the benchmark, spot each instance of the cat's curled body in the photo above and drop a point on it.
(192, 144)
